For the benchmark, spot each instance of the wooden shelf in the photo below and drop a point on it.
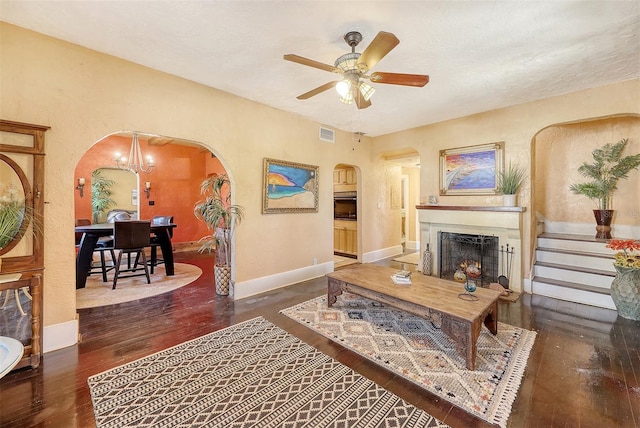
(470, 208)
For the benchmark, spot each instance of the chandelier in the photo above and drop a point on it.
(135, 162)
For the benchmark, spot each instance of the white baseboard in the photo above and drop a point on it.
(272, 282)
(382, 254)
(59, 336)
(267, 283)
(412, 245)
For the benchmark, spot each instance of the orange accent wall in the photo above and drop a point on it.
(175, 181)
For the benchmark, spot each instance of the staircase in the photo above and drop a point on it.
(575, 268)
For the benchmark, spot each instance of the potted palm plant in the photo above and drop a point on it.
(510, 180)
(607, 169)
(221, 217)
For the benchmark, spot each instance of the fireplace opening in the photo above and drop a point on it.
(457, 251)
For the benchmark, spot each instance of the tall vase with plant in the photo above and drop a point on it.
(100, 195)
(510, 180)
(625, 287)
(221, 217)
(607, 169)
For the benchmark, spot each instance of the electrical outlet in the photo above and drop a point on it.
(315, 261)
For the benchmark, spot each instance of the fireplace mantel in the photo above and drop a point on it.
(503, 222)
(470, 208)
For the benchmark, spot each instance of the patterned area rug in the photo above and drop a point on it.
(252, 374)
(417, 350)
(98, 293)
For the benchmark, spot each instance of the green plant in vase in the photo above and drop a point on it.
(509, 182)
(607, 169)
(625, 287)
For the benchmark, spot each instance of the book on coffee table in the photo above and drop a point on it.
(401, 279)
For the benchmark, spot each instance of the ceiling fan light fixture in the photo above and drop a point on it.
(347, 62)
(366, 90)
(343, 88)
(353, 67)
(347, 99)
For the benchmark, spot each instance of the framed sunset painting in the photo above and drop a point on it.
(289, 187)
(471, 170)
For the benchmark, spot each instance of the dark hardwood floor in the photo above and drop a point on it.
(584, 369)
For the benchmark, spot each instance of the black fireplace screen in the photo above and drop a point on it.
(459, 250)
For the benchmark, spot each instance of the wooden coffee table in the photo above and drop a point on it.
(428, 297)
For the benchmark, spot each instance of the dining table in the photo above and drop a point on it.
(91, 233)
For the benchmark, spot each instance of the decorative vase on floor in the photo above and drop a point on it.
(625, 292)
(603, 221)
(427, 261)
(222, 276)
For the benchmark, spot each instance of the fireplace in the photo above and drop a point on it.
(503, 223)
(457, 251)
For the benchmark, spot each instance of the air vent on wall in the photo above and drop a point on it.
(327, 135)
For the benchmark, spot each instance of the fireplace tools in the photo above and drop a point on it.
(507, 263)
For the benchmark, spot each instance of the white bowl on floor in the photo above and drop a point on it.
(11, 351)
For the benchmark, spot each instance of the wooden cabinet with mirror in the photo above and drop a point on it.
(21, 236)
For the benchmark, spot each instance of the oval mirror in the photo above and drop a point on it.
(16, 205)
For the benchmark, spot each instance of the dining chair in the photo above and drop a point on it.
(131, 237)
(159, 220)
(117, 215)
(105, 243)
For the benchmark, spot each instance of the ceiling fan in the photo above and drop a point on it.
(354, 66)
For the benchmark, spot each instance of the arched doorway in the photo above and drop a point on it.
(346, 215)
(406, 196)
(170, 188)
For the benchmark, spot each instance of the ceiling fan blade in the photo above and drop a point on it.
(316, 91)
(399, 79)
(310, 62)
(359, 99)
(379, 47)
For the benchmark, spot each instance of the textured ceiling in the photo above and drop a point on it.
(480, 55)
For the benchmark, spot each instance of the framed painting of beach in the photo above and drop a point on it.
(471, 170)
(289, 187)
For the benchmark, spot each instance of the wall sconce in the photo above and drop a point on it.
(80, 186)
(147, 188)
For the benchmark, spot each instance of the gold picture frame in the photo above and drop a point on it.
(471, 170)
(289, 187)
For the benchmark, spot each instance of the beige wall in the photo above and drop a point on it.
(517, 126)
(561, 149)
(84, 95)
